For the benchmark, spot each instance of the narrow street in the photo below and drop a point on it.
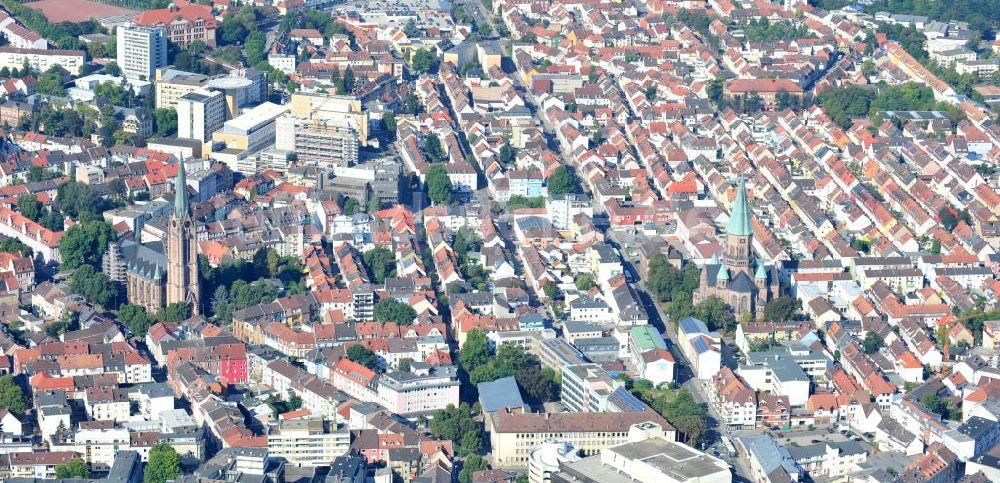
(684, 378)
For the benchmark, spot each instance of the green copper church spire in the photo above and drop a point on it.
(739, 219)
(181, 196)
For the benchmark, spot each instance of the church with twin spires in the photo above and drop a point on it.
(739, 278)
(158, 274)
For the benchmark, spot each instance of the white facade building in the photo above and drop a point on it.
(141, 50)
(200, 113)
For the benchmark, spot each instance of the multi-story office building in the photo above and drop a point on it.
(141, 50)
(329, 109)
(421, 390)
(243, 88)
(317, 143)
(172, 84)
(200, 113)
(514, 436)
(385, 186)
(252, 131)
(310, 442)
(587, 388)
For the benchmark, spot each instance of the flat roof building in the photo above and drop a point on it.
(653, 460)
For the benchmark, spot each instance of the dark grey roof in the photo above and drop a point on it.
(500, 394)
(976, 427)
(711, 270)
(572, 326)
(742, 284)
(145, 259)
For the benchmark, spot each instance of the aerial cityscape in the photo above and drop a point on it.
(499, 241)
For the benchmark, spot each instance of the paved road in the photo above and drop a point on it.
(685, 377)
(478, 11)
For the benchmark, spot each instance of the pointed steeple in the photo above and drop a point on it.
(181, 198)
(739, 219)
(715, 259)
(156, 272)
(761, 272)
(723, 273)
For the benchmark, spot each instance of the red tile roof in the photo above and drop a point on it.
(164, 16)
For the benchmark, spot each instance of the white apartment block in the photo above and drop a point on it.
(41, 60)
(308, 442)
(200, 113)
(141, 50)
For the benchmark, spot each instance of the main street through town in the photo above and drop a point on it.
(683, 375)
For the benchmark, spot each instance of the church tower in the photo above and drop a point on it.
(182, 250)
(739, 234)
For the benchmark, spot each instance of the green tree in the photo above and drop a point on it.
(80, 201)
(412, 105)
(13, 245)
(716, 313)
(112, 68)
(351, 206)
(363, 355)
(38, 173)
(938, 405)
(220, 303)
(439, 188)
(346, 84)
(11, 396)
(164, 464)
(935, 248)
(475, 352)
(534, 383)
(280, 406)
(95, 286)
(381, 263)
(472, 464)
(585, 282)
(165, 122)
(517, 202)
(781, 309)
(422, 61)
(433, 149)
(465, 241)
(174, 312)
(458, 424)
(391, 310)
(389, 122)
(51, 82)
(135, 318)
(74, 468)
(69, 322)
(550, 290)
(85, 243)
(29, 206)
(687, 416)
(110, 91)
(254, 47)
(561, 181)
(872, 342)
(507, 154)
